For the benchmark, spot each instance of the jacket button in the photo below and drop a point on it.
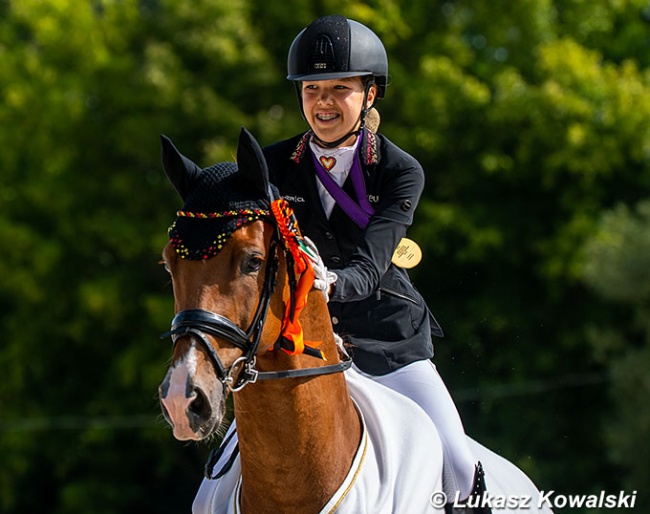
(336, 259)
(329, 235)
(406, 205)
(335, 320)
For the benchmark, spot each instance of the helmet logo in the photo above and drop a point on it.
(323, 54)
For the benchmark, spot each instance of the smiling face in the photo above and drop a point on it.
(333, 107)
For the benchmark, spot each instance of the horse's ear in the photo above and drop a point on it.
(252, 163)
(180, 170)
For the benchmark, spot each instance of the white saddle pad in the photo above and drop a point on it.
(397, 467)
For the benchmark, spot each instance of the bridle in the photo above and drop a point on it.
(200, 323)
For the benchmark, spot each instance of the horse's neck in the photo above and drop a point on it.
(297, 436)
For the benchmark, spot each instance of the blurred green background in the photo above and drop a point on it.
(532, 121)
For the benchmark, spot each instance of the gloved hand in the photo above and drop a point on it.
(323, 279)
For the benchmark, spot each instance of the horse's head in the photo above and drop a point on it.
(234, 239)
(221, 258)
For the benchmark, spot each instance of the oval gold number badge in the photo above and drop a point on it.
(407, 254)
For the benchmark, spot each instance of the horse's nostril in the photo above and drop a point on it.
(200, 406)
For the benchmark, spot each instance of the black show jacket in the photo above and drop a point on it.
(374, 305)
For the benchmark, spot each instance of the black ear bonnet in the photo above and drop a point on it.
(218, 200)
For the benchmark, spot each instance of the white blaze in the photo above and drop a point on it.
(176, 401)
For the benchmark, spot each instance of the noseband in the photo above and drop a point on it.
(200, 323)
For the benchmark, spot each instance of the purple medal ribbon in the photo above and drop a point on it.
(359, 212)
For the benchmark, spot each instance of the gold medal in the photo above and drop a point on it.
(407, 254)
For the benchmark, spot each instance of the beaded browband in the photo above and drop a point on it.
(240, 218)
(242, 213)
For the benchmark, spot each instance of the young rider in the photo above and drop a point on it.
(354, 193)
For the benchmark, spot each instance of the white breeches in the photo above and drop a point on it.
(421, 382)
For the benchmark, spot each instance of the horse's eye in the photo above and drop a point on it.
(252, 264)
(164, 264)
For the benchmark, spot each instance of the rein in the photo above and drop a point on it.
(200, 323)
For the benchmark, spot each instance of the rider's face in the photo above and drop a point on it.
(333, 107)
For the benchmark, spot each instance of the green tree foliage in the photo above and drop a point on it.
(531, 119)
(616, 267)
(87, 87)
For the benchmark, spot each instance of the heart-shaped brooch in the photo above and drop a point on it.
(327, 162)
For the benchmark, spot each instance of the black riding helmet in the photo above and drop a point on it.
(335, 47)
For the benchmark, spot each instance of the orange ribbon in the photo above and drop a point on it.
(291, 335)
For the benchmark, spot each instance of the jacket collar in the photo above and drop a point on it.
(368, 148)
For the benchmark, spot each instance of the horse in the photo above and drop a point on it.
(312, 435)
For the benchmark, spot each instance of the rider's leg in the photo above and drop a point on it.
(421, 383)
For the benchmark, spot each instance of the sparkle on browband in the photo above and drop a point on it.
(211, 245)
(226, 214)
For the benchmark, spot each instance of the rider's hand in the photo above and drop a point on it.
(323, 279)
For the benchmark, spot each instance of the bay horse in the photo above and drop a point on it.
(249, 323)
